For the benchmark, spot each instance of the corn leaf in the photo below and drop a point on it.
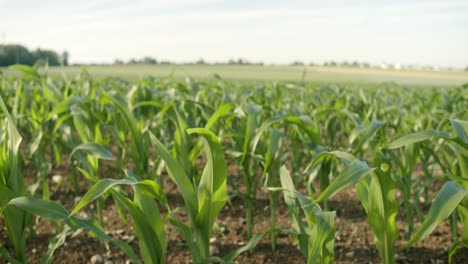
(94, 150)
(178, 176)
(46, 209)
(253, 113)
(351, 175)
(302, 122)
(463, 214)
(54, 211)
(446, 201)
(232, 255)
(150, 188)
(294, 209)
(152, 248)
(378, 197)
(322, 236)
(4, 252)
(421, 136)
(212, 193)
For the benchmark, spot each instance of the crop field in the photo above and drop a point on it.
(254, 165)
(316, 74)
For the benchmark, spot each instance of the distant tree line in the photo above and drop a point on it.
(18, 54)
(201, 61)
(144, 60)
(241, 61)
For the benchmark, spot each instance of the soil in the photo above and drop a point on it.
(353, 242)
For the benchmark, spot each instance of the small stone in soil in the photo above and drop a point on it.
(214, 250)
(398, 257)
(78, 199)
(97, 259)
(350, 254)
(57, 178)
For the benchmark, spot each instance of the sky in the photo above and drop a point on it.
(99, 31)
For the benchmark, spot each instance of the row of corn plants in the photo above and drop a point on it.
(119, 141)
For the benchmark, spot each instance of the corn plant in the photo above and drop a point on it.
(11, 186)
(273, 162)
(129, 129)
(90, 134)
(246, 124)
(378, 197)
(54, 211)
(271, 153)
(453, 194)
(316, 238)
(147, 220)
(203, 202)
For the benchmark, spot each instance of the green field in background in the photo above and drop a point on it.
(271, 73)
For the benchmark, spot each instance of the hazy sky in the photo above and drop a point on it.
(407, 32)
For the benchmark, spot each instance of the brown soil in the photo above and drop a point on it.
(353, 237)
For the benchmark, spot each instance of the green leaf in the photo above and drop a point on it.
(212, 193)
(417, 137)
(137, 145)
(223, 110)
(91, 226)
(302, 122)
(99, 189)
(94, 150)
(8, 257)
(461, 129)
(232, 255)
(64, 106)
(253, 113)
(297, 224)
(151, 247)
(322, 236)
(178, 176)
(463, 214)
(54, 244)
(220, 112)
(88, 176)
(351, 175)
(453, 249)
(149, 188)
(446, 201)
(343, 156)
(152, 189)
(5, 196)
(14, 137)
(378, 197)
(27, 70)
(46, 209)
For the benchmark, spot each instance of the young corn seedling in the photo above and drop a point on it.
(316, 238)
(55, 212)
(88, 125)
(377, 195)
(273, 162)
(453, 194)
(147, 220)
(248, 164)
(137, 149)
(272, 158)
(11, 186)
(203, 201)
